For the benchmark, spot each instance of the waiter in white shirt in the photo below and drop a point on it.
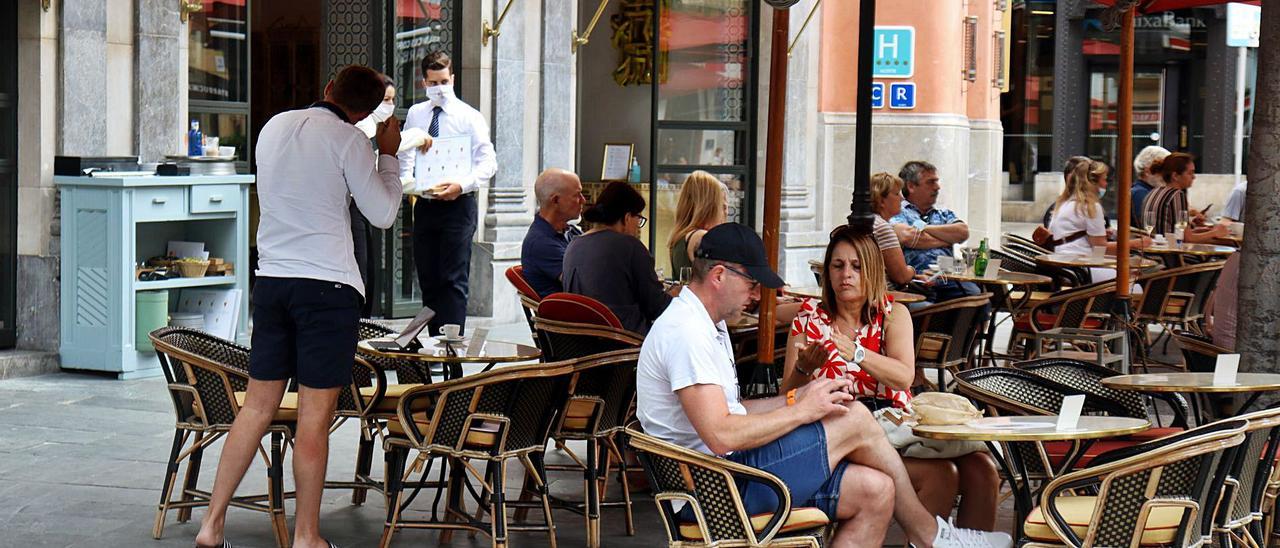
(444, 216)
(308, 292)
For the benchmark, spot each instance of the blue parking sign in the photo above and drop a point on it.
(894, 52)
(877, 95)
(902, 95)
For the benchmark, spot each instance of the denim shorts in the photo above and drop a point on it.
(799, 459)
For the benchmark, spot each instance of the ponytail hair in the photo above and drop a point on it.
(614, 203)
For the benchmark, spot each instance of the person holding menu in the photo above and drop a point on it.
(307, 297)
(444, 215)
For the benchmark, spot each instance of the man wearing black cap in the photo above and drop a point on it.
(827, 448)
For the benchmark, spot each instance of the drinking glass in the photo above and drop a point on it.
(1181, 220)
(662, 274)
(970, 255)
(686, 273)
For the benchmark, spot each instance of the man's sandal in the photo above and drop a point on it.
(225, 544)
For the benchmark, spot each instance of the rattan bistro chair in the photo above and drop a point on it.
(207, 377)
(709, 486)
(1240, 516)
(490, 417)
(1161, 495)
(529, 298)
(1087, 378)
(945, 335)
(1085, 307)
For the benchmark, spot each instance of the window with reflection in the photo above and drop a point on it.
(218, 73)
(704, 118)
(421, 27)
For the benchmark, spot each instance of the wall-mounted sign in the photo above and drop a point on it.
(877, 95)
(902, 95)
(1244, 22)
(894, 52)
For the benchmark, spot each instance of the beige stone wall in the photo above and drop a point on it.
(37, 116)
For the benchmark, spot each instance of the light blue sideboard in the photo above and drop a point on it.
(111, 224)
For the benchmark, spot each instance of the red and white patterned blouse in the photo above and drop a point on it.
(816, 325)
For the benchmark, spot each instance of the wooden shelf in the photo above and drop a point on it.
(184, 282)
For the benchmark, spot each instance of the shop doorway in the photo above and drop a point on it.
(8, 173)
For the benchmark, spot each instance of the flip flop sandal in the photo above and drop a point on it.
(225, 544)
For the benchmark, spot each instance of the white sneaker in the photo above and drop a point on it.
(950, 536)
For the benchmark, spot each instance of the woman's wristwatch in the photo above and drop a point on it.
(859, 353)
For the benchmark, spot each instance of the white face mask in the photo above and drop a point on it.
(441, 95)
(383, 112)
(369, 125)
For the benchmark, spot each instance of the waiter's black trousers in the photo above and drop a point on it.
(442, 234)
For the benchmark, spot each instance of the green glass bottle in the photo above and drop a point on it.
(980, 262)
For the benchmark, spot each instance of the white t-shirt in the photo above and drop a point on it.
(1067, 221)
(683, 348)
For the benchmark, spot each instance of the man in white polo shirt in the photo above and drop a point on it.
(308, 292)
(825, 447)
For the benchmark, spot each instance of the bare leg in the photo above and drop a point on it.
(858, 437)
(310, 461)
(866, 497)
(262, 399)
(936, 482)
(980, 486)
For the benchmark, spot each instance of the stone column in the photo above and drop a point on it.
(802, 236)
(38, 265)
(82, 115)
(1071, 87)
(559, 86)
(1218, 155)
(157, 67)
(515, 132)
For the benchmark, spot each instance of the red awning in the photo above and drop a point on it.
(1153, 6)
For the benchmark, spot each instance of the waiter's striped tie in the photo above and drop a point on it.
(434, 129)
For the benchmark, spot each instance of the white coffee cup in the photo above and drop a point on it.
(226, 152)
(1098, 251)
(450, 330)
(1236, 229)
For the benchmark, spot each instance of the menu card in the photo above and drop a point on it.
(1069, 414)
(1224, 373)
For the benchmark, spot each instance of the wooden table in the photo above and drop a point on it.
(1254, 384)
(451, 355)
(1002, 431)
(1076, 260)
(1002, 287)
(815, 292)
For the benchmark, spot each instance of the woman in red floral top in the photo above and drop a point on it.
(859, 332)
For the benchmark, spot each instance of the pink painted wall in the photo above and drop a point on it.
(938, 53)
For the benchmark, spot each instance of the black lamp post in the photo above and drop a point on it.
(860, 215)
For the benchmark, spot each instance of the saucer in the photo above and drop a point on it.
(445, 339)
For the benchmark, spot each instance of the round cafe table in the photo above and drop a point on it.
(1175, 255)
(1002, 431)
(1254, 384)
(1080, 260)
(451, 355)
(1002, 287)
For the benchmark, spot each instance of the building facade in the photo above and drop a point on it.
(683, 83)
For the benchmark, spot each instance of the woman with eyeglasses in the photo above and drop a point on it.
(609, 263)
(857, 331)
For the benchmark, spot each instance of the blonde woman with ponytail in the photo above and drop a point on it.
(1078, 224)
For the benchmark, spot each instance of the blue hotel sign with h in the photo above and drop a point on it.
(894, 52)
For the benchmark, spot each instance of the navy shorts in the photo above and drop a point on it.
(799, 459)
(306, 329)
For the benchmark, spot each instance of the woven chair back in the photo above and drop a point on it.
(1188, 468)
(708, 484)
(954, 321)
(562, 340)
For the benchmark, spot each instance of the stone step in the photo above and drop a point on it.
(25, 363)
